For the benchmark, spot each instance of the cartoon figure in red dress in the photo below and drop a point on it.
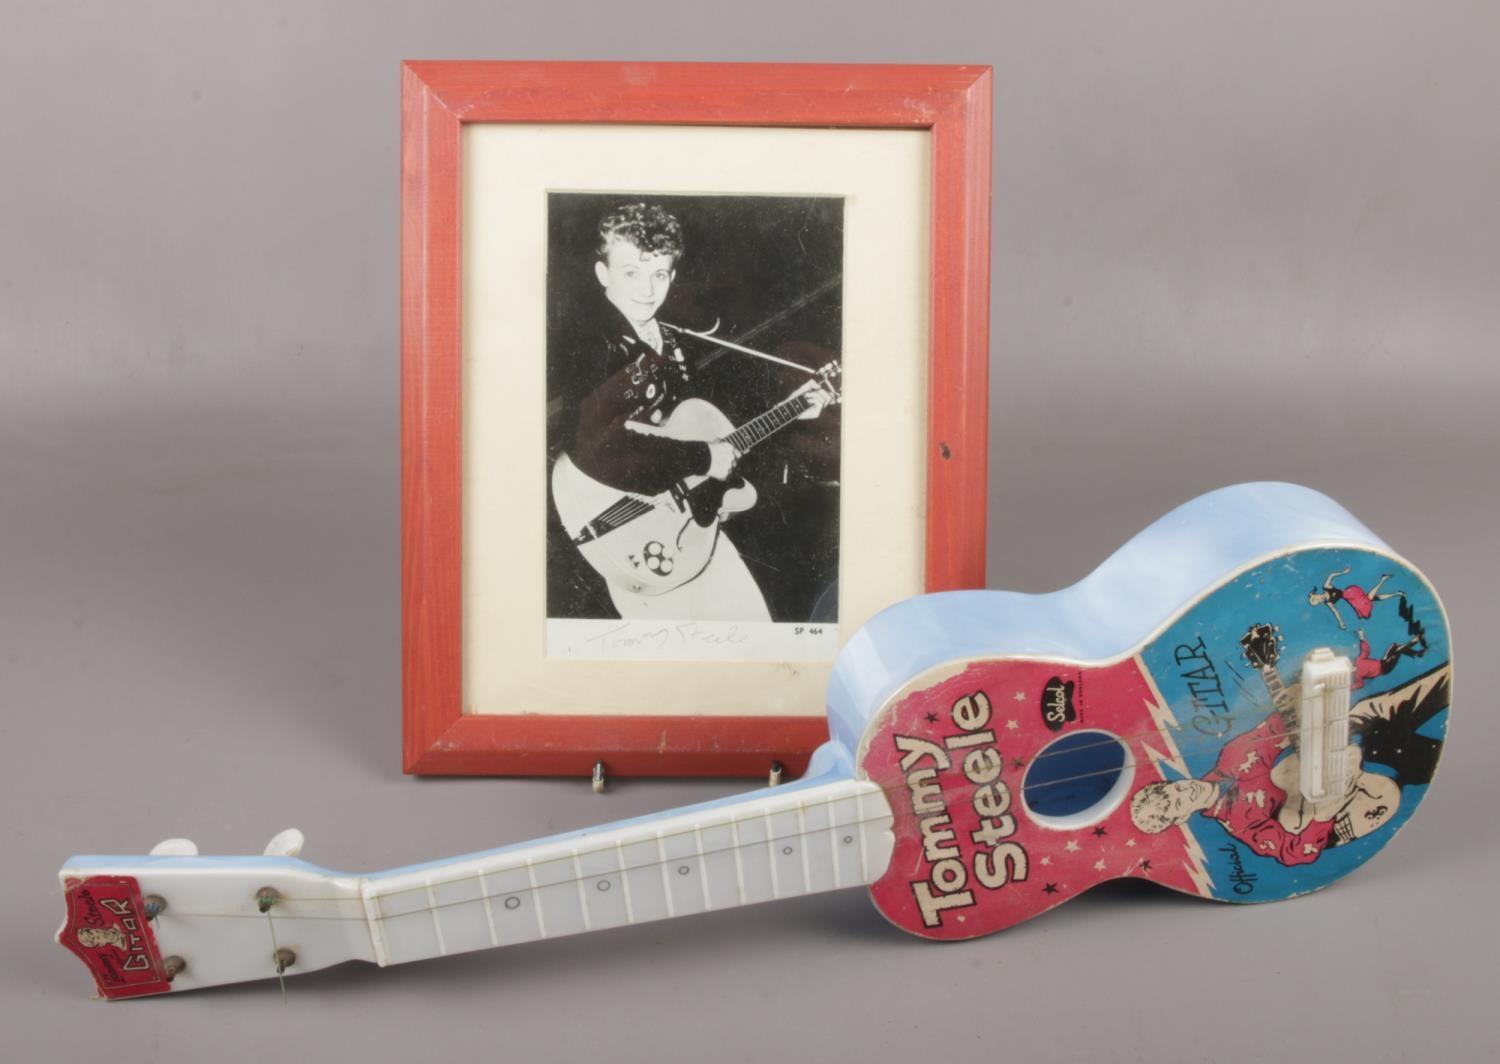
(1368, 668)
(1252, 791)
(1362, 602)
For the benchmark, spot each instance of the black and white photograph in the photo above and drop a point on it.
(693, 408)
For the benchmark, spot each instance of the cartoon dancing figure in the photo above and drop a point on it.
(1252, 791)
(1362, 602)
(1368, 668)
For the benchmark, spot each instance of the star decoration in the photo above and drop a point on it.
(1019, 696)
(1017, 762)
(932, 718)
(1098, 866)
(1011, 725)
(1050, 888)
(1129, 842)
(1072, 846)
(1099, 832)
(1145, 864)
(1046, 859)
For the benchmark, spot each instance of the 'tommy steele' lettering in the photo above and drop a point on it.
(996, 862)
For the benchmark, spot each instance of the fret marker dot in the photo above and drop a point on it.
(512, 903)
(848, 839)
(683, 870)
(603, 884)
(786, 850)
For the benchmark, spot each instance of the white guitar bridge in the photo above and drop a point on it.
(1323, 725)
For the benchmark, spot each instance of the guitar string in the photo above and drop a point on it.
(616, 514)
(1257, 709)
(954, 790)
(624, 511)
(573, 881)
(696, 855)
(761, 437)
(276, 955)
(768, 841)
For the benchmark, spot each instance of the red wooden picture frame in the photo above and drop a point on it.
(438, 98)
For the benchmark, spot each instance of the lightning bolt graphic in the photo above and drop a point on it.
(1197, 863)
(1167, 728)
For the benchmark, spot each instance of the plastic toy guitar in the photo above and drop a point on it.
(1191, 713)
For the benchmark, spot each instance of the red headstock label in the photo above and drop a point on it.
(107, 928)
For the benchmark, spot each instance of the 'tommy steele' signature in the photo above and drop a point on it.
(630, 635)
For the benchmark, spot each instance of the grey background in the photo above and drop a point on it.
(1230, 242)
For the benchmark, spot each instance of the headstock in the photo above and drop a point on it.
(174, 919)
(831, 380)
(1262, 646)
(825, 388)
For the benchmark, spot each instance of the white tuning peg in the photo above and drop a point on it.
(175, 848)
(287, 843)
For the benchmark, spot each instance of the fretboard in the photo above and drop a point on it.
(1279, 694)
(772, 421)
(777, 843)
(1281, 698)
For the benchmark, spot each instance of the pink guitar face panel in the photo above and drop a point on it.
(1018, 783)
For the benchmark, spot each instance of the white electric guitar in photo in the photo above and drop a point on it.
(651, 544)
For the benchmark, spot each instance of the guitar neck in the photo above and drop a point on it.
(1281, 698)
(1277, 690)
(798, 839)
(761, 428)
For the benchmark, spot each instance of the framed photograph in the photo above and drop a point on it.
(694, 382)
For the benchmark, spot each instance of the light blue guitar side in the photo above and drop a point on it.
(1115, 608)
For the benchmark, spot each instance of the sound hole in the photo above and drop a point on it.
(1077, 779)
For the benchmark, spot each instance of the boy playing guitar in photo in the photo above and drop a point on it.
(649, 470)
